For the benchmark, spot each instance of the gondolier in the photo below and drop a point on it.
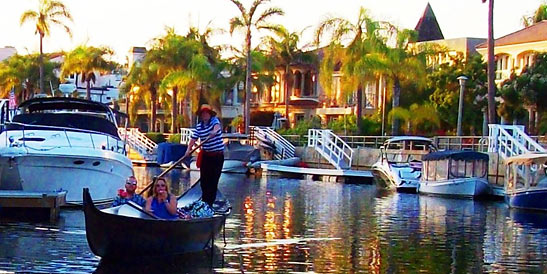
(208, 131)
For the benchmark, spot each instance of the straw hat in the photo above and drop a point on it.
(206, 107)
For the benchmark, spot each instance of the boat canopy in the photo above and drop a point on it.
(458, 155)
(409, 138)
(62, 103)
(528, 158)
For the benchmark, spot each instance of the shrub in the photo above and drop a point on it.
(174, 138)
(156, 137)
(301, 127)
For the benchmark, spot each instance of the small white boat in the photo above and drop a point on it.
(400, 161)
(55, 144)
(455, 173)
(526, 181)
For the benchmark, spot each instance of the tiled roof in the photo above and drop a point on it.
(534, 33)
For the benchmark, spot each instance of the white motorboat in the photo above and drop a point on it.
(66, 144)
(455, 173)
(400, 161)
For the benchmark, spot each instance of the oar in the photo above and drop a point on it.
(173, 165)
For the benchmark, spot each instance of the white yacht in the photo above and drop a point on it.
(54, 144)
(400, 161)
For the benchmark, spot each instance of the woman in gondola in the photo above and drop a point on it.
(162, 203)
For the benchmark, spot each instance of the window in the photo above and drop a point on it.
(442, 170)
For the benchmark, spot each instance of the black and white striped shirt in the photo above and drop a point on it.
(202, 131)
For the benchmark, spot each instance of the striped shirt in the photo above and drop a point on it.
(202, 131)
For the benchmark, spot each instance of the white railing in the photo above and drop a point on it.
(332, 147)
(185, 135)
(283, 148)
(511, 140)
(139, 142)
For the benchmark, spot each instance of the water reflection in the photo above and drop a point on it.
(287, 225)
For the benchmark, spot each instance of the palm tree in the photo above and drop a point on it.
(286, 52)
(539, 15)
(248, 20)
(86, 60)
(360, 60)
(21, 73)
(401, 64)
(50, 12)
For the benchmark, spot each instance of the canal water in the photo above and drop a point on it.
(298, 226)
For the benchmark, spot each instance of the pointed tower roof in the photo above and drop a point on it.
(428, 27)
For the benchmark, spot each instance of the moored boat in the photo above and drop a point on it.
(526, 181)
(127, 231)
(455, 173)
(55, 144)
(400, 161)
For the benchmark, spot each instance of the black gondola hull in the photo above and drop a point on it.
(115, 236)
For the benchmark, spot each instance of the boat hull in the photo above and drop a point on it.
(528, 199)
(103, 172)
(465, 187)
(392, 174)
(117, 236)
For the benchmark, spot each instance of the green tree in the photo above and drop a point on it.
(20, 72)
(402, 63)
(86, 60)
(49, 13)
(247, 20)
(285, 50)
(539, 15)
(443, 85)
(360, 60)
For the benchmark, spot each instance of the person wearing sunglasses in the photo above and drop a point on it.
(162, 203)
(129, 193)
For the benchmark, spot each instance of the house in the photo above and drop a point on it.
(7, 52)
(515, 51)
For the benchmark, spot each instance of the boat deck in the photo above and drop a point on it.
(330, 175)
(26, 199)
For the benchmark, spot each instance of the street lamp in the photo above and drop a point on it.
(462, 80)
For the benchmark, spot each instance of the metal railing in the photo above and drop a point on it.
(332, 147)
(283, 148)
(185, 135)
(511, 140)
(139, 142)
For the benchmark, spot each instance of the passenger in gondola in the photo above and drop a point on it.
(162, 203)
(129, 193)
(208, 130)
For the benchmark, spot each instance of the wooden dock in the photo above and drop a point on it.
(25, 199)
(319, 174)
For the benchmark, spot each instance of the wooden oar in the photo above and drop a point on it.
(173, 166)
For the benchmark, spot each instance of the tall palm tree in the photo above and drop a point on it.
(86, 60)
(402, 63)
(285, 50)
(491, 65)
(50, 12)
(247, 20)
(360, 59)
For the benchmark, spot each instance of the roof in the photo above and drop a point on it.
(409, 138)
(459, 155)
(528, 158)
(534, 33)
(428, 27)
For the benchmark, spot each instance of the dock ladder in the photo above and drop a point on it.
(283, 148)
(331, 147)
(139, 142)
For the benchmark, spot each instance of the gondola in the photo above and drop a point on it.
(129, 231)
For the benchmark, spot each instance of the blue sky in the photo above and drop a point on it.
(121, 24)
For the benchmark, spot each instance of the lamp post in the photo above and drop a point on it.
(462, 80)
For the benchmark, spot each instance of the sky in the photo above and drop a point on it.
(121, 24)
